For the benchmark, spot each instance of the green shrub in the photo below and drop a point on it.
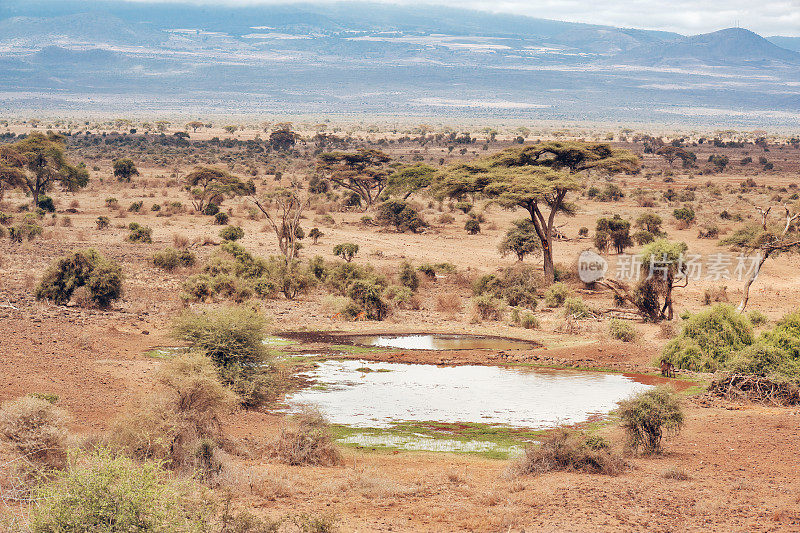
(135, 207)
(234, 273)
(103, 222)
(366, 295)
(757, 318)
(101, 491)
(572, 451)
(472, 226)
(556, 294)
(46, 203)
(139, 233)
(169, 259)
(228, 335)
(643, 237)
(684, 215)
(103, 278)
(105, 283)
(111, 202)
(622, 330)
(464, 207)
(399, 214)
(5, 218)
(345, 250)
(399, 295)
(231, 233)
(517, 285)
(647, 416)
(26, 229)
(708, 339)
(408, 276)
(576, 308)
(221, 218)
(487, 307)
(524, 319)
(233, 338)
(211, 209)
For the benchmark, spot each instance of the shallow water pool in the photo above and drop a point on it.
(377, 395)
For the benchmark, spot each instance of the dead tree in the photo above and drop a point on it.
(283, 208)
(767, 243)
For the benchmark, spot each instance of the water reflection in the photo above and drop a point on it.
(443, 342)
(537, 398)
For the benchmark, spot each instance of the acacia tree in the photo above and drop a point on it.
(663, 267)
(283, 138)
(537, 178)
(521, 240)
(766, 240)
(125, 169)
(37, 162)
(284, 209)
(365, 172)
(211, 185)
(195, 125)
(411, 179)
(11, 169)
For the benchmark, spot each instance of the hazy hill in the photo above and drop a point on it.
(728, 46)
(380, 58)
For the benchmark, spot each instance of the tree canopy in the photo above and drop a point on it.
(365, 172)
(37, 162)
(537, 178)
(212, 185)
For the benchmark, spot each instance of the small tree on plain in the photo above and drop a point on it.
(346, 251)
(125, 169)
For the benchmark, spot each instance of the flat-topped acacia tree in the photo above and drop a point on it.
(209, 184)
(537, 178)
(365, 172)
(37, 162)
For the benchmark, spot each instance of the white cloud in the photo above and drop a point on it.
(766, 17)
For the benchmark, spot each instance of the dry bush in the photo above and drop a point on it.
(180, 241)
(572, 451)
(307, 442)
(449, 303)
(666, 331)
(36, 428)
(373, 486)
(678, 474)
(178, 425)
(648, 416)
(715, 295)
(82, 298)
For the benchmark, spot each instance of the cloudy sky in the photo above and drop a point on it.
(767, 17)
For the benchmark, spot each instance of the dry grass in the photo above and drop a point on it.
(178, 424)
(180, 241)
(449, 303)
(36, 428)
(307, 442)
(676, 473)
(572, 451)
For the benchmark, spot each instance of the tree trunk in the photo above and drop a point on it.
(753, 276)
(549, 267)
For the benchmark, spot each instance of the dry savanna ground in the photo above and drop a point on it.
(738, 463)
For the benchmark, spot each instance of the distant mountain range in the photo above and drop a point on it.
(361, 58)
